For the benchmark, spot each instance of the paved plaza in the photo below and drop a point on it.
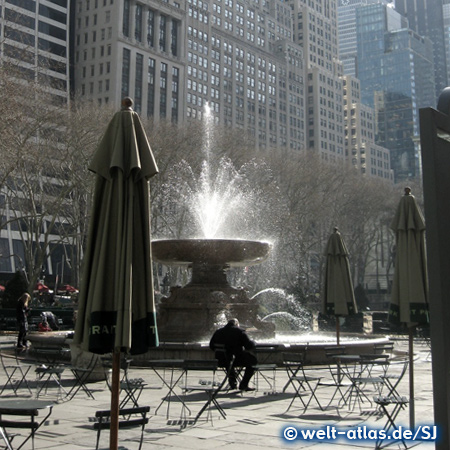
(253, 419)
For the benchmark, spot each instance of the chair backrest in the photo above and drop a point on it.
(294, 357)
(222, 353)
(3, 347)
(128, 418)
(200, 364)
(13, 422)
(395, 380)
(335, 350)
(383, 347)
(132, 417)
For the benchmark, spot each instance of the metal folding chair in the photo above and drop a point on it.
(133, 388)
(45, 376)
(229, 368)
(385, 402)
(81, 377)
(392, 379)
(360, 372)
(15, 371)
(22, 415)
(335, 379)
(212, 388)
(304, 384)
(128, 418)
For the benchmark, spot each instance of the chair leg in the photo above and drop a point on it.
(6, 438)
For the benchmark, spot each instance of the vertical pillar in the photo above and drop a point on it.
(156, 38)
(435, 143)
(182, 38)
(146, 33)
(132, 19)
(169, 35)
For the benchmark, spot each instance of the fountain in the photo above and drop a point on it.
(214, 200)
(192, 312)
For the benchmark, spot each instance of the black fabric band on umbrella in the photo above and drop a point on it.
(329, 309)
(418, 313)
(102, 333)
(144, 335)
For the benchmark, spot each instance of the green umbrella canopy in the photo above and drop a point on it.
(409, 298)
(339, 298)
(116, 305)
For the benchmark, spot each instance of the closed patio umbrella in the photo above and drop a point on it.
(116, 311)
(339, 298)
(409, 297)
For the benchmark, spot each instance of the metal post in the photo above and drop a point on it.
(435, 143)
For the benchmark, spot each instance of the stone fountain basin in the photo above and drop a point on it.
(230, 252)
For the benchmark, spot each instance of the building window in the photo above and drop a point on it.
(138, 23)
(163, 91)
(151, 88)
(126, 18)
(150, 28)
(126, 72)
(174, 103)
(162, 33)
(174, 38)
(138, 82)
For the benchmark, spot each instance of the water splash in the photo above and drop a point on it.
(271, 291)
(283, 309)
(285, 321)
(217, 197)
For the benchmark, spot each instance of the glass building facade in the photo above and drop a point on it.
(393, 65)
(425, 17)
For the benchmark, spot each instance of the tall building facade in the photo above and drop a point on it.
(360, 148)
(126, 48)
(315, 30)
(35, 37)
(446, 19)
(172, 58)
(393, 65)
(348, 47)
(425, 17)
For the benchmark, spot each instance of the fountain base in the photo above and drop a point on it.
(193, 312)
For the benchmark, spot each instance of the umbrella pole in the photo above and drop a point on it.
(411, 379)
(115, 388)
(338, 341)
(338, 331)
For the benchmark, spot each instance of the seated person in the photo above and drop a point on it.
(43, 326)
(49, 317)
(237, 343)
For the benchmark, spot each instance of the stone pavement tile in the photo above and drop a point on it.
(190, 442)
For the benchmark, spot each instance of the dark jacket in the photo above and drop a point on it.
(22, 313)
(234, 338)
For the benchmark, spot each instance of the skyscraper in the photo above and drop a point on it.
(446, 19)
(393, 65)
(315, 30)
(35, 37)
(347, 33)
(360, 147)
(425, 17)
(173, 57)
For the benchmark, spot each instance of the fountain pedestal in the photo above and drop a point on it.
(192, 313)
